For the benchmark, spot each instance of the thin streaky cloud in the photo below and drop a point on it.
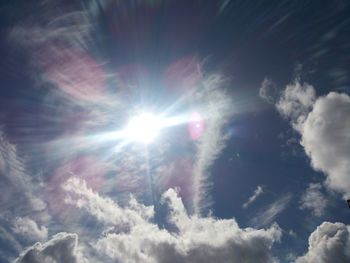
(257, 192)
(270, 213)
(213, 140)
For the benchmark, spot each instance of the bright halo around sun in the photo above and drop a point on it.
(143, 128)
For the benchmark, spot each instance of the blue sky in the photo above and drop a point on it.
(174, 131)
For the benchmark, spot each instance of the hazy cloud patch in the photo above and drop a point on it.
(29, 229)
(296, 102)
(268, 91)
(314, 200)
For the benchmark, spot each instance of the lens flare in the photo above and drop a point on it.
(196, 126)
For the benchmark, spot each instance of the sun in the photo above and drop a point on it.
(143, 128)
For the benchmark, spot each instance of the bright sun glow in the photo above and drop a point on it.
(143, 128)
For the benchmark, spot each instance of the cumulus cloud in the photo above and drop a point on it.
(103, 208)
(269, 214)
(330, 242)
(268, 91)
(325, 137)
(29, 229)
(313, 199)
(257, 192)
(324, 126)
(186, 239)
(63, 247)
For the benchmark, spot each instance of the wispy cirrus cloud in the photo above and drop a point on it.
(269, 214)
(18, 196)
(217, 113)
(16, 185)
(11, 245)
(257, 192)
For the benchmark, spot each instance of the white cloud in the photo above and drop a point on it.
(71, 25)
(257, 192)
(325, 137)
(268, 215)
(105, 209)
(191, 238)
(217, 113)
(330, 242)
(296, 102)
(63, 247)
(11, 166)
(29, 229)
(268, 91)
(324, 125)
(313, 199)
(16, 184)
